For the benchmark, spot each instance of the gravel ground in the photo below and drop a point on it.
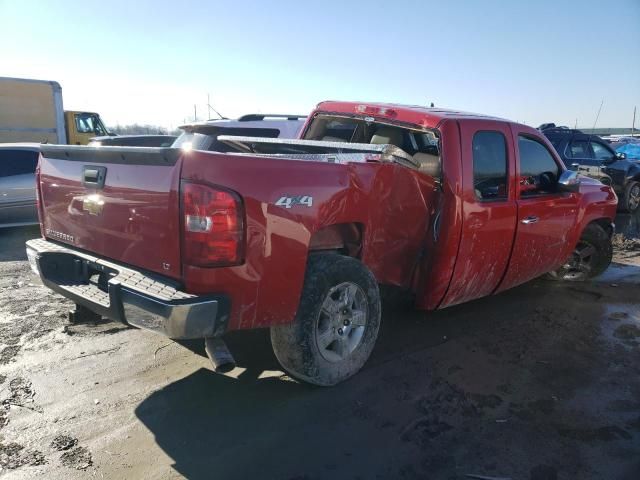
(540, 382)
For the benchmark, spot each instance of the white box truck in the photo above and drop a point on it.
(32, 111)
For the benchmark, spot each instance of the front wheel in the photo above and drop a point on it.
(336, 325)
(591, 257)
(631, 197)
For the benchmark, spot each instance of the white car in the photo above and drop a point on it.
(18, 163)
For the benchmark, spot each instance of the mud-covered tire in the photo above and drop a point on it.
(591, 257)
(297, 345)
(630, 201)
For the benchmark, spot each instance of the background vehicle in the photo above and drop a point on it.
(628, 145)
(591, 155)
(18, 163)
(31, 111)
(202, 135)
(296, 235)
(134, 141)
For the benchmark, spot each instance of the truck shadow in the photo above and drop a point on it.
(268, 426)
(216, 426)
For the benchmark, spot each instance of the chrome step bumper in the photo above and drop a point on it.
(127, 295)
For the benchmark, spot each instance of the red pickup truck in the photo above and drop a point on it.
(297, 235)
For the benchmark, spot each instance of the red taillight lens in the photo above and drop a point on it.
(39, 198)
(212, 226)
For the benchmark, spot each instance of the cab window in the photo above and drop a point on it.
(600, 152)
(88, 123)
(539, 172)
(17, 162)
(490, 165)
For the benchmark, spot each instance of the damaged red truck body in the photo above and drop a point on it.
(297, 235)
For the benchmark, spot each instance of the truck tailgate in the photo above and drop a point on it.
(115, 202)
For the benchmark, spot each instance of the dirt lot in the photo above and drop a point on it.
(541, 382)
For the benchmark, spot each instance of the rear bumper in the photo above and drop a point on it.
(127, 295)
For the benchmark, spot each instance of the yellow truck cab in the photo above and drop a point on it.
(31, 111)
(81, 127)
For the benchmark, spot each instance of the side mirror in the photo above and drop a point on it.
(569, 181)
(621, 156)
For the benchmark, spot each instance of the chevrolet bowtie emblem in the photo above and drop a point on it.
(93, 204)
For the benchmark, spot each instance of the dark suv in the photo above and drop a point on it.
(592, 156)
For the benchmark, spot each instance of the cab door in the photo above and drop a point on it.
(545, 216)
(489, 210)
(580, 154)
(82, 127)
(605, 157)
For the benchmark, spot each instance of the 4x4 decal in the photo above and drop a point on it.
(291, 201)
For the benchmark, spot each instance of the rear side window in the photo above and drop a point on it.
(490, 165)
(539, 172)
(578, 149)
(17, 162)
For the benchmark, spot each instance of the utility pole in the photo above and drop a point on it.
(195, 113)
(633, 124)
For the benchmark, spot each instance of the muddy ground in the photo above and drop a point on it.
(541, 382)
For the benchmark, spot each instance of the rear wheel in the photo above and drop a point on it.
(336, 325)
(590, 258)
(631, 197)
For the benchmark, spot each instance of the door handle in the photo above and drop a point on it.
(530, 219)
(93, 176)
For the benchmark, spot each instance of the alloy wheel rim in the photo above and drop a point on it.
(581, 261)
(634, 197)
(341, 321)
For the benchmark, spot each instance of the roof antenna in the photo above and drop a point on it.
(209, 107)
(593, 129)
(432, 105)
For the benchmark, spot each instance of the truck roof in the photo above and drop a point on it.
(245, 120)
(428, 117)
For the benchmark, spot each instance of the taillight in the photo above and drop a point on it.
(39, 197)
(212, 224)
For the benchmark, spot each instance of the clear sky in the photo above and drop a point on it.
(151, 61)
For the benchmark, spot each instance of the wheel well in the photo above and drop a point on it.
(343, 237)
(605, 223)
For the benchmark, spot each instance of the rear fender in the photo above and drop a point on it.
(376, 212)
